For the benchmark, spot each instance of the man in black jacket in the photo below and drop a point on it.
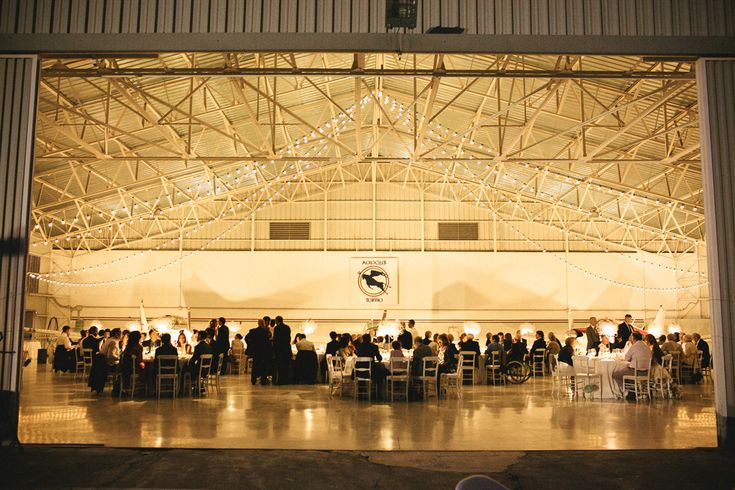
(203, 347)
(471, 345)
(405, 337)
(624, 331)
(259, 347)
(91, 341)
(700, 344)
(282, 351)
(222, 344)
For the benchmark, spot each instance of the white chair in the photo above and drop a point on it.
(167, 371)
(562, 376)
(585, 375)
(200, 385)
(334, 374)
(451, 381)
(428, 377)
(661, 378)
(494, 369)
(639, 382)
(399, 376)
(213, 377)
(363, 377)
(132, 381)
(537, 363)
(675, 367)
(466, 367)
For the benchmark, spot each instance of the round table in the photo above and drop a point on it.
(606, 366)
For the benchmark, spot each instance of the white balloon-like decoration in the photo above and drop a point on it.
(388, 328)
(308, 327)
(473, 328)
(527, 329)
(607, 328)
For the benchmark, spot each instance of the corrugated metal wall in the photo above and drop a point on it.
(716, 84)
(17, 113)
(533, 17)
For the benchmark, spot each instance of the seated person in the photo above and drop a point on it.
(303, 344)
(420, 350)
(638, 356)
(397, 352)
(471, 345)
(539, 343)
(567, 352)
(166, 349)
(494, 346)
(690, 352)
(703, 346)
(203, 347)
(605, 346)
(671, 346)
(518, 348)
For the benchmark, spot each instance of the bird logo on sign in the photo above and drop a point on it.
(373, 281)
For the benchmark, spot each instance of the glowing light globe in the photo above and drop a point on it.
(308, 327)
(473, 328)
(387, 328)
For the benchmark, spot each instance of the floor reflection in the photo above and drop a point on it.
(55, 409)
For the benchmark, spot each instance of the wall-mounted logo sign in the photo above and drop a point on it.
(374, 281)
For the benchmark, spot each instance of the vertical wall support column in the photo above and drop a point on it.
(716, 99)
(18, 83)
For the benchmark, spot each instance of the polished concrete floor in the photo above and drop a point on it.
(57, 410)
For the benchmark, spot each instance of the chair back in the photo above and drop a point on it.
(467, 359)
(537, 356)
(642, 368)
(363, 367)
(667, 361)
(399, 367)
(495, 359)
(87, 356)
(205, 365)
(167, 365)
(583, 365)
(554, 364)
(430, 366)
(698, 364)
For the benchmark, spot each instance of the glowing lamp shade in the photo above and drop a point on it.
(527, 329)
(608, 329)
(308, 327)
(387, 328)
(473, 328)
(674, 328)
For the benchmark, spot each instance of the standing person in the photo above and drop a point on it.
(222, 344)
(405, 337)
(624, 331)
(593, 336)
(282, 352)
(62, 358)
(259, 347)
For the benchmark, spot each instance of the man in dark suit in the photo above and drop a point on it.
(91, 341)
(282, 351)
(405, 337)
(378, 371)
(700, 344)
(259, 347)
(624, 331)
(471, 345)
(222, 344)
(166, 348)
(203, 347)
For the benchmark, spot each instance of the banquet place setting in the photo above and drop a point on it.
(384, 361)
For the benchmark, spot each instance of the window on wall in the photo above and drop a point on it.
(458, 231)
(290, 230)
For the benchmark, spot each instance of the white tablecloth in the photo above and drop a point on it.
(32, 346)
(605, 366)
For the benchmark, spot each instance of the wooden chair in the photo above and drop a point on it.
(237, 362)
(560, 378)
(78, 364)
(200, 385)
(707, 368)
(449, 381)
(537, 362)
(363, 371)
(167, 370)
(660, 383)
(334, 374)
(399, 376)
(466, 366)
(132, 380)
(428, 378)
(213, 377)
(676, 367)
(494, 369)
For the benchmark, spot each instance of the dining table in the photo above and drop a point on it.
(605, 366)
